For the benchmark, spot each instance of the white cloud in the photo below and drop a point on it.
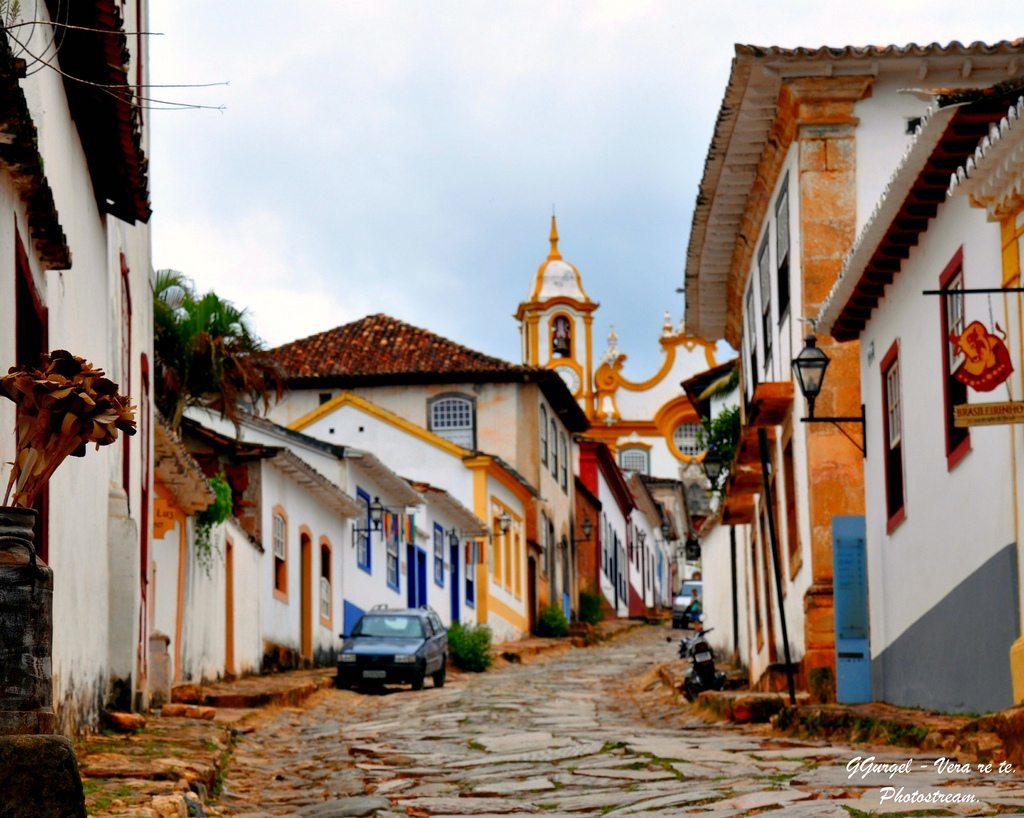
(403, 157)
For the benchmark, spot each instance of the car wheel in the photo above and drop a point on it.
(342, 684)
(439, 676)
(417, 683)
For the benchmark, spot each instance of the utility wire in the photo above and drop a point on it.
(169, 105)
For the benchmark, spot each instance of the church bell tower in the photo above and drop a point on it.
(555, 323)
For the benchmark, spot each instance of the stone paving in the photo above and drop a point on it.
(589, 732)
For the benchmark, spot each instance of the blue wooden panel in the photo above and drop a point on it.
(350, 616)
(453, 560)
(566, 605)
(850, 582)
(421, 577)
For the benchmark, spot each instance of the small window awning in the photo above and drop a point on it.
(771, 404)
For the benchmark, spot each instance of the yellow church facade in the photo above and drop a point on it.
(650, 425)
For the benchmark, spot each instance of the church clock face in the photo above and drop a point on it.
(570, 376)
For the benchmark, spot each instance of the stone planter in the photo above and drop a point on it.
(26, 629)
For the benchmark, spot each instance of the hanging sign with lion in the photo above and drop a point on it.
(986, 359)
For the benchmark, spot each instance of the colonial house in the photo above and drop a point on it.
(299, 520)
(803, 146)
(931, 290)
(451, 533)
(492, 569)
(517, 420)
(609, 557)
(646, 550)
(75, 274)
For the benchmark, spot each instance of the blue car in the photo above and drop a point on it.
(388, 645)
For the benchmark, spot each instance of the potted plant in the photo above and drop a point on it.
(63, 405)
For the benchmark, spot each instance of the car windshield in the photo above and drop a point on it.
(409, 627)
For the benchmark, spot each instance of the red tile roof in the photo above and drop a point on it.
(381, 347)
(381, 350)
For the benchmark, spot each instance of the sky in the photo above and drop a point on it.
(405, 157)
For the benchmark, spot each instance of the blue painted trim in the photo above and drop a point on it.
(438, 561)
(351, 614)
(471, 578)
(367, 523)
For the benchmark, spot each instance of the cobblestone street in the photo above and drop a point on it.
(586, 733)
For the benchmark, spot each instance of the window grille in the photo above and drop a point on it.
(325, 598)
(543, 436)
(438, 554)
(686, 439)
(635, 459)
(279, 552)
(452, 418)
(393, 563)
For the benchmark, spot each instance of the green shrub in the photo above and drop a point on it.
(552, 622)
(590, 608)
(470, 647)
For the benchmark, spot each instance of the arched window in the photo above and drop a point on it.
(635, 459)
(561, 337)
(554, 449)
(325, 582)
(565, 461)
(453, 417)
(686, 439)
(543, 435)
(280, 545)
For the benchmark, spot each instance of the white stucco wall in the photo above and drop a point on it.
(941, 541)
(97, 582)
(613, 521)
(282, 618)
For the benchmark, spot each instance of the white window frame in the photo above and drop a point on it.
(453, 417)
(280, 549)
(677, 439)
(637, 451)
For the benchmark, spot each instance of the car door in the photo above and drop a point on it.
(440, 638)
(433, 662)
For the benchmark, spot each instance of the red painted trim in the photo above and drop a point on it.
(953, 454)
(894, 519)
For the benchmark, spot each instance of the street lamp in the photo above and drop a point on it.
(809, 367)
(376, 513)
(504, 522)
(666, 529)
(453, 538)
(692, 547)
(587, 528)
(713, 467)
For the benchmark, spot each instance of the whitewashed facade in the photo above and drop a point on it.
(942, 502)
(75, 274)
(811, 136)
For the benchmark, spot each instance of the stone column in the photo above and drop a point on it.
(826, 142)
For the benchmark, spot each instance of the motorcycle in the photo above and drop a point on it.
(701, 674)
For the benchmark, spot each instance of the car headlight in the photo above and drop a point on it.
(347, 657)
(405, 658)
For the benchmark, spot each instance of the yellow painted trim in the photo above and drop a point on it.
(379, 412)
(613, 379)
(634, 444)
(481, 508)
(588, 376)
(514, 618)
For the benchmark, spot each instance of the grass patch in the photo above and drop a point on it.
(473, 744)
(612, 746)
